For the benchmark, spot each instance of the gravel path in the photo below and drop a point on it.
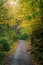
(21, 56)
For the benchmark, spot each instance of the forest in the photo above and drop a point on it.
(21, 19)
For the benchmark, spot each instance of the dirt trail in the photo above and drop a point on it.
(21, 56)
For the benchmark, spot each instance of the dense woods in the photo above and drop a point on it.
(21, 19)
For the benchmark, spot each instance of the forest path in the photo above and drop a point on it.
(21, 56)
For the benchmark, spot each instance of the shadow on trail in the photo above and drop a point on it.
(19, 62)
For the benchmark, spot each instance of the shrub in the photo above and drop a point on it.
(37, 44)
(5, 46)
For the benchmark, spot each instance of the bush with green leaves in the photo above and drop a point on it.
(4, 47)
(4, 44)
(37, 44)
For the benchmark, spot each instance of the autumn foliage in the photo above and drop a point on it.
(21, 19)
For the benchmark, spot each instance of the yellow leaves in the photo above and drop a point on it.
(25, 4)
(35, 24)
(24, 24)
(23, 9)
(20, 16)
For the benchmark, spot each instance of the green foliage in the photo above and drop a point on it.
(28, 10)
(35, 26)
(2, 2)
(12, 35)
(7, 34)
(37, 44)
(5, 45)
(7, 38)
